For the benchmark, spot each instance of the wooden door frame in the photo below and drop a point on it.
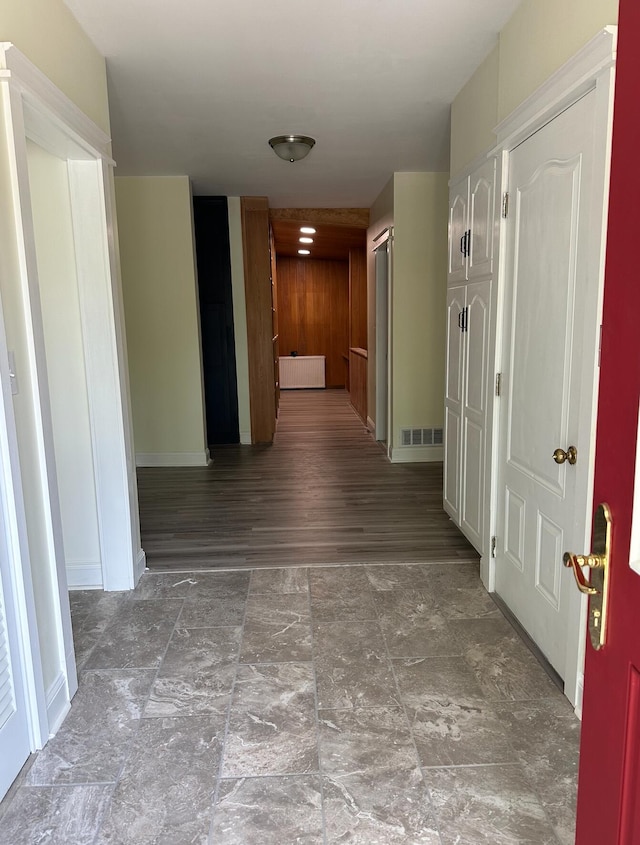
(592, 68)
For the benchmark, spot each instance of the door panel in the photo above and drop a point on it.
(551, 319)
(458, 218)
(453, 400)
(474, 409)
(481, 220)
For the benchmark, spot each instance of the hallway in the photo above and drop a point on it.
(324, 493)
(384, 701)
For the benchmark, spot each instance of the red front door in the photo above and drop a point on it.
(609, 781)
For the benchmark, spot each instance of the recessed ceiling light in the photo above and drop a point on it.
(308, 230)
(304, 252)
(306, 240)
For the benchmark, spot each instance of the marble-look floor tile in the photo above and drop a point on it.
(91, 613)
(546, 736)
(398, 577)
(165, 794)
(272, 723)
(277, 629)
(451, 721)
(372, 740)
(503, 665)
(352, 667)
(96, 735)
(391, 809)
(269, 811)
(201, 612)
(412, 625)
(137, 635)
(197, 673)
(52, 815)
(487, 804)
(447, 575)
(340, 593)
(279, 581)
(164, 585)
(220, 585)
(469, 602)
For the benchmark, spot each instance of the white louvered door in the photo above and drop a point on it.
(15, 745)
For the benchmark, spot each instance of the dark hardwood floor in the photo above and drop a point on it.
(324, 493)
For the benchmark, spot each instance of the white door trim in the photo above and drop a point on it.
(34, 109)
(592, 68)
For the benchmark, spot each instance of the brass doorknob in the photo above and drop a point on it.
(571, 455)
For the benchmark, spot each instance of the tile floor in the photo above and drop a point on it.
(361, 704)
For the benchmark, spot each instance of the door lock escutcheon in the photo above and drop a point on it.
(596, 587)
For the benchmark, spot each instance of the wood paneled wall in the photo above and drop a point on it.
(358, 379)
(358, 298)
(257, 283)
(313, 312)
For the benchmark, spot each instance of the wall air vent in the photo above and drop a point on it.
(421, 436)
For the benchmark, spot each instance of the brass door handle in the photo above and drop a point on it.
(577, 562)
(598, 585)
(571, 455)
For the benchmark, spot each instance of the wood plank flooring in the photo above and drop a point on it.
(324, 493)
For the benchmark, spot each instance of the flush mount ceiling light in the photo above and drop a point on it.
(291, 147)
(306, 240)
(304, 252)
(307, 230)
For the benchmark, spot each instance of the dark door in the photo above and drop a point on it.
(216, 319)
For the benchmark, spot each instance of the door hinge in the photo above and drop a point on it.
(505, 204)
(498, 383)
(494, 543)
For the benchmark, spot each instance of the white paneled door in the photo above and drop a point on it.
(549, 375)
(14, 724)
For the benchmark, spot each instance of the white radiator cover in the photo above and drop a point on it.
(301, 371)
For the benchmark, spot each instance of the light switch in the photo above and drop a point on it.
(13, 378)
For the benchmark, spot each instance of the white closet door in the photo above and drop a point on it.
(453, 400)
(481, 220)
(458, 219)
(474, 410)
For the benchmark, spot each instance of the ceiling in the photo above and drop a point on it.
(329, 242)
(198, 87)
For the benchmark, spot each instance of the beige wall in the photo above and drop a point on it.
(419, 298)
(415, 204)
(48, 34)
(161, 317)
(540, 37)
(474, 113)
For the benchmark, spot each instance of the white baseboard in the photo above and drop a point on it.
(371, 425)
(416, 454)
(84, 575)
(58, 704)
(245, 438)
(173, 459)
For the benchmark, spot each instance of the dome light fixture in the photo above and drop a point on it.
(291, 147)
(307, 230)
(304, 252)
(306, 240)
